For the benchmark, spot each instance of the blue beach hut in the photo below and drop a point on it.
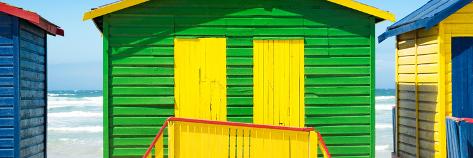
(23, 86)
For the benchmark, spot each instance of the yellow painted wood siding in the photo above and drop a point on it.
(417, 88)
(457, 25)
(200, 78)
(279, 82)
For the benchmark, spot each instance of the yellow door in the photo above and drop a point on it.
(279, 82)
(200, 78)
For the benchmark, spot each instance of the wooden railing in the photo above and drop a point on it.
(459, 137)
(193, 138)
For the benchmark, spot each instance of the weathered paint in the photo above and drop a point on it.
(279, 82)
(339, 65)
(33, 90)
(200, 78)
(194, 138)
(23, 81)
(417, 86)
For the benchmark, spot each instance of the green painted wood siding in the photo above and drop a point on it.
(339, 61)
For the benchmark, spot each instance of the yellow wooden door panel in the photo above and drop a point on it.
(200, 78)
(279, 82)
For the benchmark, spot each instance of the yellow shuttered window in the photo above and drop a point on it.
(200, 78)
(279, 82)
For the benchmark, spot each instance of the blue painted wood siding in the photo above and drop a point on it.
(462, 77)
(8, 49)
(33, 91)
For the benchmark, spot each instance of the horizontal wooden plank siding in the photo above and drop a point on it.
(458, 24)
(338, 65)
(417, 86)
(32, 87)
(8, 48)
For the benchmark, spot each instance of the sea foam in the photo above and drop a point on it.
(80, 129)
(384, 126)
(78, 114)
(382, 98)
(54, 102)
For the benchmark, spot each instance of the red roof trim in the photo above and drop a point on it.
(33, 18)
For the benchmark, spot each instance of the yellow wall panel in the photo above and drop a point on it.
(427, 78)
(427, 134)
(406, 78)
(407, 60)
(408, 113)
(404, 95)
(427, 59)
(427, 68)
(200, 78)
(427, 96)
(421, 41)
(428, 49)
(426, 116)
(406, 86)
(457, 24)
(407, 121)
(459, 29)
(427, 106)
(410, 51)
(407, 140)
(432, 32)
(406, 36)
(407, 130)
(406, 44)
(417, 100)
(407, 104)
(411, 69)
(278, 73)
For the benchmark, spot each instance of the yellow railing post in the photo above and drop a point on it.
(159, 148)
(171, 139)
(313, 142)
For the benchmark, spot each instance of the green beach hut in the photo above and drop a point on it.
(302, 63)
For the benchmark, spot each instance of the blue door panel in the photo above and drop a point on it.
(462, 77)
(462, 89)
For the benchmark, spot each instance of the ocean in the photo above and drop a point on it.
(75, 123)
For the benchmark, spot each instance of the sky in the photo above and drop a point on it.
(75, 61)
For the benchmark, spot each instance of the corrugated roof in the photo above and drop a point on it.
(32, 18)
(427, 16)
(381, 15)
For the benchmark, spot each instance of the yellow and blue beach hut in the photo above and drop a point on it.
(434, 74)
